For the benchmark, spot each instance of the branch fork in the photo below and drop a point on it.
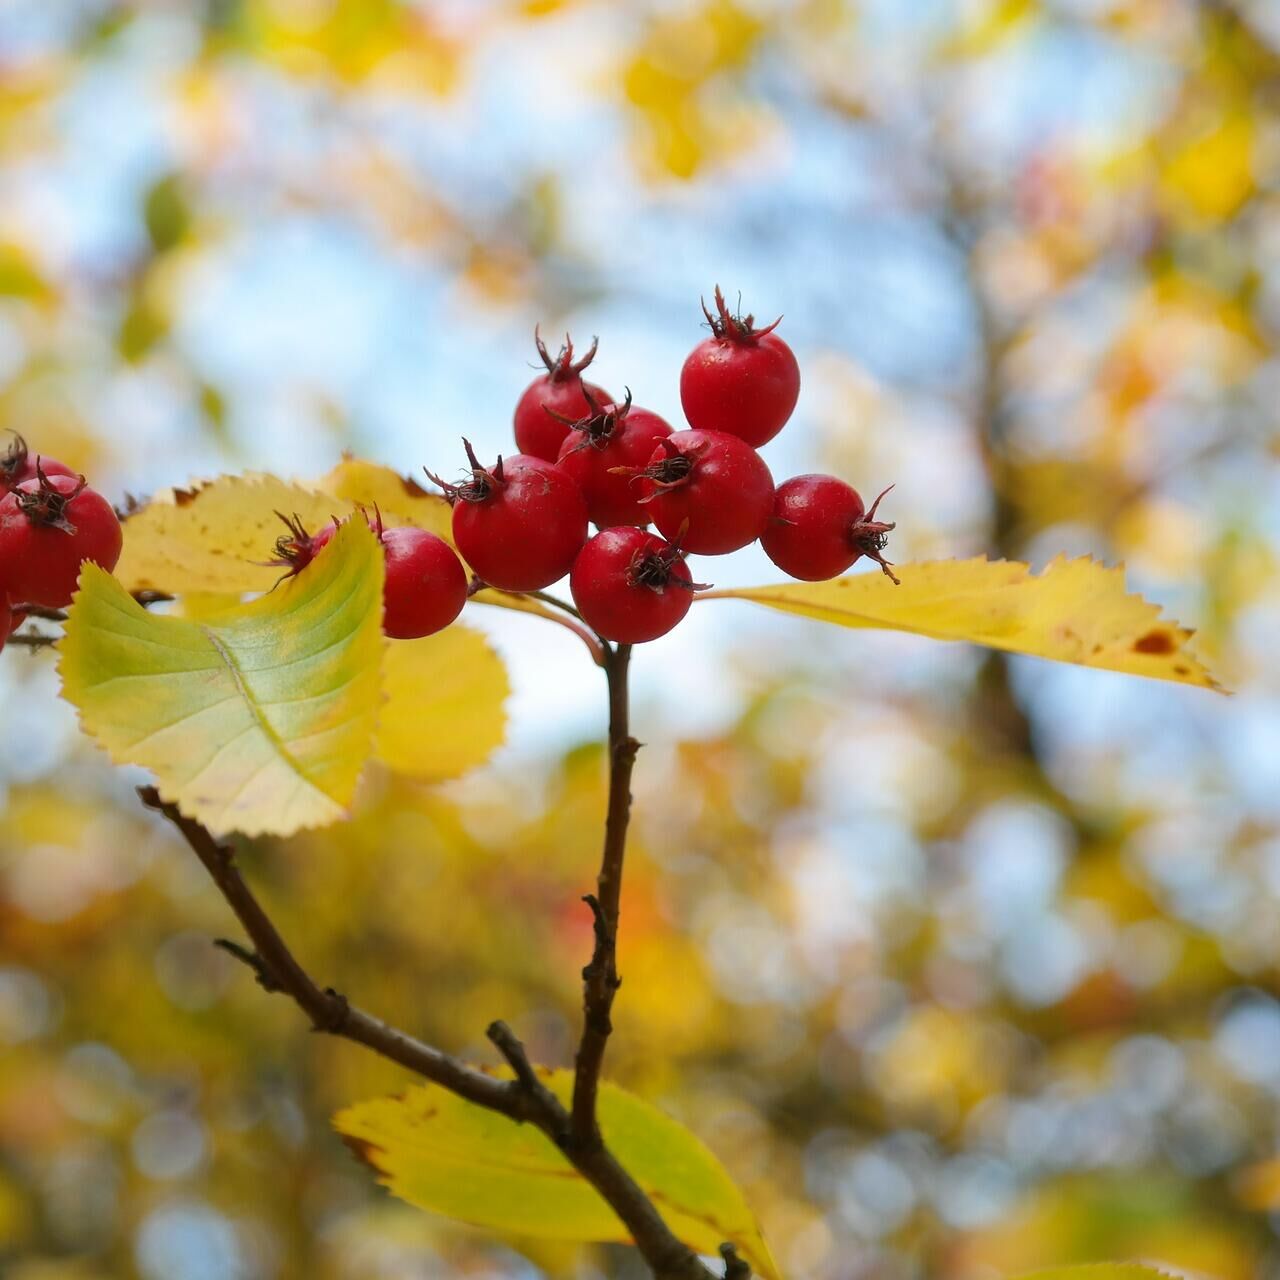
(525, 1098)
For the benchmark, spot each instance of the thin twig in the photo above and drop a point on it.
(507, 1044)
(600, 979)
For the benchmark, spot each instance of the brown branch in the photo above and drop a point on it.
(600, 979)
(33, 640)
(523, 1099)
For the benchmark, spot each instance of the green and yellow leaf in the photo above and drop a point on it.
(445, 709)
(440, 1153)
(258, 719)
(1075, 611)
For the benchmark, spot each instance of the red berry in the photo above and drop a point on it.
(741, 380)
(518, 524)
(48, 527)
(631, 586)
(819, 528)
(425, 587)
(426, 584)
(555, 399)
(17, 465)
(709, 491)
(602, 452)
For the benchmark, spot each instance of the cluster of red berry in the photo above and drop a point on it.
(51, 522)
(521, 524)
(587, 458)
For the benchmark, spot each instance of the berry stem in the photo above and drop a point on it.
(600, 979)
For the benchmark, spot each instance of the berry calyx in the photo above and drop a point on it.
(631, 586)
(742, 380)
(710, 489)
(556, 398)
(599, 452)
(297, 548)
(17, 465)
(819, 528)
(425, 585)
(48, 527)
(519, 524)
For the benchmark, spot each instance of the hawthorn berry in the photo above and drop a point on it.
(555, 399)
(710, 490)
(819, 527)
(17, 466)
(741, 380)
(518, 524)
(425, 585)
(600, 451)
(631, 585)
(48, 527)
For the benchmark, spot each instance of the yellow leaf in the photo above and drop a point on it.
(259, 721)
(444, 712)
(1075, 611)
(1212, 174)
(451, 1157)
(400, 500)
(217, 536)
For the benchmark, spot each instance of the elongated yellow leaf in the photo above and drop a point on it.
(258, 720)
(1075, 611)
(216, 536)
(441, 1153)
(444, 712)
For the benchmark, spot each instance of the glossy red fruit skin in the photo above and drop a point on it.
(538, 434)
(741, 380)
(612, 602)
(612, 498)
(816, 544)
(525, 533)
(40, 562)
(820, 526)
(561, 390)
(18, 465)
(425, 586)
(726, 496)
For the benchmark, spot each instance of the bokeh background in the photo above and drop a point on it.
(963, 964)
